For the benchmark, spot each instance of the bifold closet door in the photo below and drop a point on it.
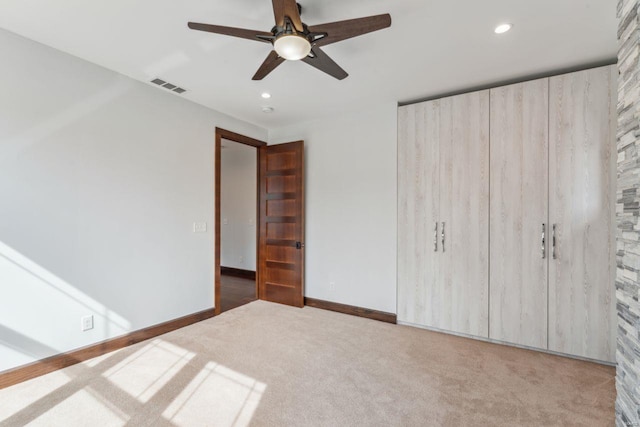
(463, 274)
(418, 166)
(519, 213)
(582, 208)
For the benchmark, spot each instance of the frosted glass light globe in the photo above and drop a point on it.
(292, 47)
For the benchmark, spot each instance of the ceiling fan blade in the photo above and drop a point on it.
(323, 62)
(269, 64)
(278, 12)
(282, 8)
(343, 30)
(231, 31)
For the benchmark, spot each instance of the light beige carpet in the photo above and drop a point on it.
(270, 365)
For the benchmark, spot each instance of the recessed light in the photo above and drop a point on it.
(266, 95)
(267, 110)
(503, 28)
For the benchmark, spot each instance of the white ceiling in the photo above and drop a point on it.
(433, 47)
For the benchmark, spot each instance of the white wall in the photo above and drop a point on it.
(351, 206)
(238, 186)
(101, 179)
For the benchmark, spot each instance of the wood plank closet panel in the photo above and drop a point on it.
(463, 273)
(417, 209)
(582, 205)
(519, 208)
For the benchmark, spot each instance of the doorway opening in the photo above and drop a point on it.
(237, 225)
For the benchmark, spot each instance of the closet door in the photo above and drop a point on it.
(519, 209)
(463, 274)
(582, 207)
(418, 167)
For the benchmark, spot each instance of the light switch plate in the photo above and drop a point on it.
(199, 227)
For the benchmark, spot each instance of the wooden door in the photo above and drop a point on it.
(418, 244)
(281, 244)
(463, 271)
(519, 211)
(582, 207)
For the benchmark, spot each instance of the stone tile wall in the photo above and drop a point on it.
(628, 228)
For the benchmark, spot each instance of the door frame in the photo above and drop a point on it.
(241, 139)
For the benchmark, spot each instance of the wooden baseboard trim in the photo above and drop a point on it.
(350, 309)
(238, 272)
(59, 361)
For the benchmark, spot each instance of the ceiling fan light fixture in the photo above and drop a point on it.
(291, 39)
(292, 47)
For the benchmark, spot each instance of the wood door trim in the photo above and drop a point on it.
(236, 137)
(368, 313)
(62, 360)
(241, 139)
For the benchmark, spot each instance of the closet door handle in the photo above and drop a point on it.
(543, 246)
(435, 237)
(442, 237)
(553, 241)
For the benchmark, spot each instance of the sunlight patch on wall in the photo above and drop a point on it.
(216, 393)
(49, 278)
(24, 334)
(146, 371)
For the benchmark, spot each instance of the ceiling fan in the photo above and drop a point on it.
(293, 40)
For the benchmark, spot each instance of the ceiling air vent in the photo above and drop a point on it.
(168, 86)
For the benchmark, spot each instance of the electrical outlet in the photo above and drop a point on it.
(86, 323)
(241, 259)
(332, 286)
(199, 227)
